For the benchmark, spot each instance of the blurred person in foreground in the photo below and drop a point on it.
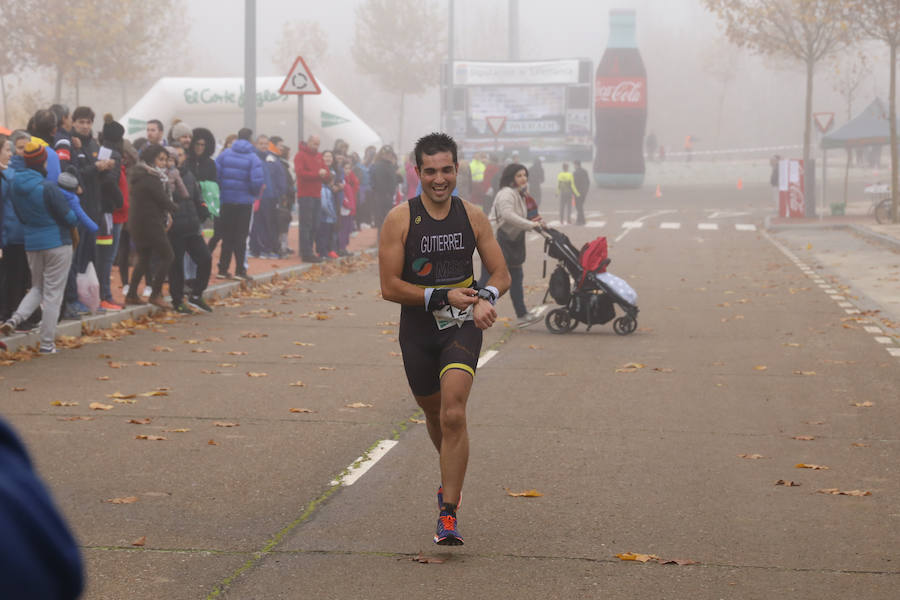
(425, 264)
(39, 559)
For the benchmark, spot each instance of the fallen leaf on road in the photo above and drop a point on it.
(227, 364)
(214, 339)
(237, 353)
(837, 492)
(291, 356)
(103, 378)
(211, 443)
(115, 365)
(210, 372)
(859, 445)
(807, 373)
(254, 374)
(146, 363)
(760, 367)
(787, 483)
(643, 558)
(154, 393)
(19, 389)
(326, 368)
(555, 374)
(359, 405)
(298, 384)
(813, 467)
(525, 494)
(191, 341)
(104, 356)
(152, 438)
(303, 344)
(663, 370)
(417, 421)
(428, 560)
(145, 421)
(99, 406)
(62, 403)
(162, 349)
(792, 344)
(302, 410)
(814, 422)
(804, 438)
(226, 424)
(201, 351)
(125, 500)
(865, 404)
(140, 541)
(254, 334)
(751, 456)
(120, 395)
(179, 430)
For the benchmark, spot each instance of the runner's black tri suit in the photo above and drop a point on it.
(437, 254)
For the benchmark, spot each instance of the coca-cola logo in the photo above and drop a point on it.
(621, 92)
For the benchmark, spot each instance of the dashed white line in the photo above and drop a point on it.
(836, 297)
(845, 304)
(708, 226)
(852, 311)
(670, 225)
(894, 351)
(873, 329)
(362, 464)
(486, 357)
(883, 339)
(632, 224)
(744, 227)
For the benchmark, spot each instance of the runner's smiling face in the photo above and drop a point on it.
(438, 176)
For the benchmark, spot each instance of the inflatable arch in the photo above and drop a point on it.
(218, 104)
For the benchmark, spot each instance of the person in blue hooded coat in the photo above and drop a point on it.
(241, 179)
(45, 213)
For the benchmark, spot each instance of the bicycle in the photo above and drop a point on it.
(881, 202)
(882, 211)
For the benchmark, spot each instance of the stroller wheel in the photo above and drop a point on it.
(560, 320)
(624, 325)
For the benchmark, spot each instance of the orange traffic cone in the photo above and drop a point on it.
(658, 191)
(740, 184)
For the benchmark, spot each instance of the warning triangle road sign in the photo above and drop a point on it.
(495, 124)
(300, 80)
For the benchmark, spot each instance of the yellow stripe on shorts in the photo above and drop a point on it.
(459, 366)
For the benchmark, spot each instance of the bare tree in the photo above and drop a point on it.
(880, 20)
(849, 72)
(720, 61)
(300, 38)
(13, 54)
(401, 43)
(800, 30)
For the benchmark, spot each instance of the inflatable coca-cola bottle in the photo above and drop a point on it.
(620, 107)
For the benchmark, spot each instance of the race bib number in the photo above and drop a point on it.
(449, 316)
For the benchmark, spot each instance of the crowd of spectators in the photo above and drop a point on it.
(78, 200)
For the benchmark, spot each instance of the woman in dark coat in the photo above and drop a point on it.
(149, 216)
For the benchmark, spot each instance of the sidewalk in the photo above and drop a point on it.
(861, 224)
(260, 269)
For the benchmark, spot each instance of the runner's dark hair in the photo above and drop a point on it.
(433, 143)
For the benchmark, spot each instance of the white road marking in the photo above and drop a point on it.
(894, 352)
(640, 222)
(883, 339)
(845, 304)
(486, 357)
(836, 297)
(362, 464)
(745, 227)
(708, 226)
(595, 224)
(726, 214)
(629, 212)
(670, 225)
(829, 290)
(873, 329)
(851, 311)
(632, 225)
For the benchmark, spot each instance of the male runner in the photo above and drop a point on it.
(425, 261)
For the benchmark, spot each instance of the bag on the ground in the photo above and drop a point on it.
(88, 288)
(210, 191)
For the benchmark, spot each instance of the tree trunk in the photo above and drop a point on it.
(57, 94)
(895, 197)
(3, 91)
(847, 174)
(399, 145)
(807, 133)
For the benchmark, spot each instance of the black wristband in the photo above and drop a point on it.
(438, 299)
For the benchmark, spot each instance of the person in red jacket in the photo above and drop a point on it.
(311, 172)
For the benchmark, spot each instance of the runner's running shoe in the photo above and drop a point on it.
(440, 496)
(447, 533)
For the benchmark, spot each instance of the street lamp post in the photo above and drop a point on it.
(250, 64)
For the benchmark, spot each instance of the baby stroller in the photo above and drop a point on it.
(586, 292)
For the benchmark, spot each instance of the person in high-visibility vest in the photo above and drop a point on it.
(477, 168)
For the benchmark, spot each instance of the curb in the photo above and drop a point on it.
(74, 328)
(860, 229)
